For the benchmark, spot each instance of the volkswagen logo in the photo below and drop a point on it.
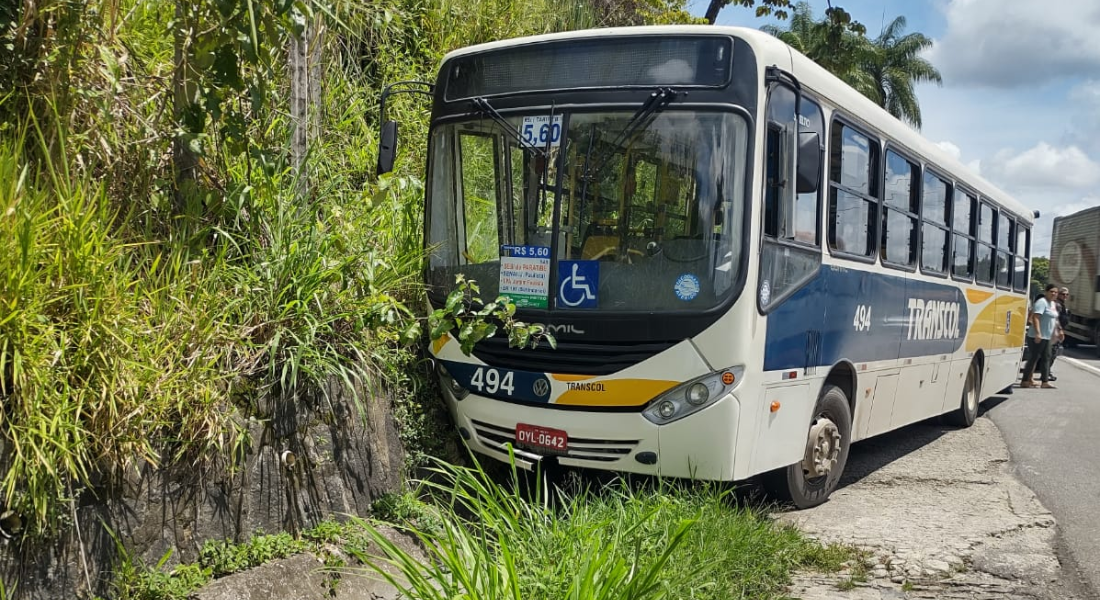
(541, 388)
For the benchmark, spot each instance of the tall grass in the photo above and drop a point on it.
(138, 329)
(488, 541)
(116, 352)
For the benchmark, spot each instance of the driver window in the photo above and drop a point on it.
(479, 198)
(791, 254)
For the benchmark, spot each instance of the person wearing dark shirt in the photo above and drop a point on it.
(1063, 324)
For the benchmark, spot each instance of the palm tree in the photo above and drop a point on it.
(884, 69)
(895, 66)
(831, 45)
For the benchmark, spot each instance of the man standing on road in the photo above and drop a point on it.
(1044, 321)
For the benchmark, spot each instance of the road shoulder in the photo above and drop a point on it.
(939, 514)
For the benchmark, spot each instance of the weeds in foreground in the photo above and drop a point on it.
(667, 540)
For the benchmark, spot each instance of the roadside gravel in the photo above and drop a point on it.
(940, 515)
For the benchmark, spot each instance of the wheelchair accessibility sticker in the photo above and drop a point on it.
(578, 283)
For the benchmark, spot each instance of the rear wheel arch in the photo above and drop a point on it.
(843, 375)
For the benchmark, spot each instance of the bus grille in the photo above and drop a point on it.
(569, 357)
(579, 448)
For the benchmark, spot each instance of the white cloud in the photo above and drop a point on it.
(951, 149)
(1045, 166)
(1073, 207)
(1017, 43)
(956, 153)
(1041, 234)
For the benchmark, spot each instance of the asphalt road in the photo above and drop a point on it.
(1054, 437)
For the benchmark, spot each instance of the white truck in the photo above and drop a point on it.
(1075, 264)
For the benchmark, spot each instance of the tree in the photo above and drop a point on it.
(779, 8)
(884, 69)
(894, 66)
(1040, 274)
(837, 48)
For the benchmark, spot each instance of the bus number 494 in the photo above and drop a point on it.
(862, 320)
(490, 381)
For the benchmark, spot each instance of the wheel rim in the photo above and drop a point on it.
(822, 448)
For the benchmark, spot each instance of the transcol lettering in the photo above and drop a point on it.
(933, 320)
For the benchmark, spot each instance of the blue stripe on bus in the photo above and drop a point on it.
(908, 318)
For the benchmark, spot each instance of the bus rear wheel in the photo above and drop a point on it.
(808, 483)
(968, 407)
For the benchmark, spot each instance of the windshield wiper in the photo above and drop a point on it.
(640, 121)
(483, 107)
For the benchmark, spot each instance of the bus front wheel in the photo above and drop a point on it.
(808, 483)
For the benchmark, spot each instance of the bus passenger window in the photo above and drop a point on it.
(899, 233)
(962, 262)
(853, 206)
(1020, 281)
(935, 248)
(984, 259)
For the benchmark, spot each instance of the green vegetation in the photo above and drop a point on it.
(217, 558)
(521, 540)
(168, 270)
(654, 541)
(884, 68)
(1040, 274)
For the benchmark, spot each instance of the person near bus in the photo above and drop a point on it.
(1063, 323)
(1042, 329)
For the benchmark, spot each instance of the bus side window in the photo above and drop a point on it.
(807, 218)
(791, 252)
(985, 262)
(1023, 253)
(853, 191)
(963, 219)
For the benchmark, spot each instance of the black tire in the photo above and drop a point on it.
(793, 484)
(967, 411)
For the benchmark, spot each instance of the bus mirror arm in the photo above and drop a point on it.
(809, 162)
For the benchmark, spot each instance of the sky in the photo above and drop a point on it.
(1020, 101)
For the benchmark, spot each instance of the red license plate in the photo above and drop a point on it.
(541, 438)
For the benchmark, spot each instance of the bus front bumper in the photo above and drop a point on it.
(698, 446)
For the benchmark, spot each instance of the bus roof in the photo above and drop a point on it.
(821, 82)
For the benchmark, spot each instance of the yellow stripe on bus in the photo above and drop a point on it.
(616, 392)
(437, 345)
(987, 330)
(978, 296)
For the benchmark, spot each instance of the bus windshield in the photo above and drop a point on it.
(583, 211)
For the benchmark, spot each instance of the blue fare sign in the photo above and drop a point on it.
(578, 285)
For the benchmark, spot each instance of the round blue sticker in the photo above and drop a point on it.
(687, 287)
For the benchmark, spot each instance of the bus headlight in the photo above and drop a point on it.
(698, 393)
(692, 396)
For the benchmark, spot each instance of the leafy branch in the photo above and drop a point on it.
(461, 317)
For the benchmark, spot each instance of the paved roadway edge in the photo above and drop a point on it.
(1079, 364)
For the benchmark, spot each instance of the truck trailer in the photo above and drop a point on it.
(1075, 264)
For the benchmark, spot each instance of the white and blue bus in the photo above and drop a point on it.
(747, 265)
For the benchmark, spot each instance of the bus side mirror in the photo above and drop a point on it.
(387, 147)
(809, 162)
